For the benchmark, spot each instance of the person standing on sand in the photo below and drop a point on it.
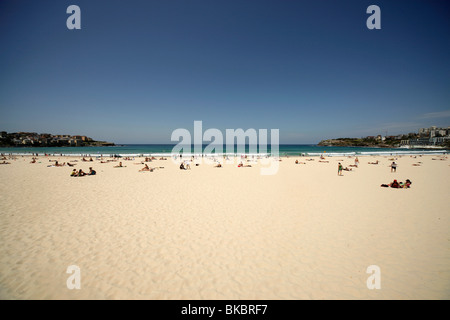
(340, 169)
(393, 167)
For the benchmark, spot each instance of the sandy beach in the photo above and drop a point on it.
(225, 233)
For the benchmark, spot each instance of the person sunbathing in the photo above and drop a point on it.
(69, 164)
(91, 172)
(74, 173)
(241, 165)
(376, 162)
(407, 183)
(146, 168)
(4, 162)
(394, 184)
(218, 165)
(33, 160)
(119, 166)
(81, 173)
(347, 169)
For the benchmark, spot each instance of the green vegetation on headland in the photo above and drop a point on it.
(32, 139)
(361, 142)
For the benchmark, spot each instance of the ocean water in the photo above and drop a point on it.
(167, 150)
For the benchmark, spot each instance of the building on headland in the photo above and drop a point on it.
(432, 136)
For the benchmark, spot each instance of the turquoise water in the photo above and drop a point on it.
(166, 149)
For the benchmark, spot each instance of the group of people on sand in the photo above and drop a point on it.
(81, 173)
(341, 168)
(185, 165)
(84, 160)
(395, 184)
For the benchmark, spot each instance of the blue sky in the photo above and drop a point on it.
(137, 70)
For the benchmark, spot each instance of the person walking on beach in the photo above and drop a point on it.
(340, 168)
(393, 167)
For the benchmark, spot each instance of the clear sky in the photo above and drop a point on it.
(137, 70)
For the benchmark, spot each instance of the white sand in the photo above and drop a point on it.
(225, 233)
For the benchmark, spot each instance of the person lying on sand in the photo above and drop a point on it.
(347, 169)
(33, 160)
(4, 162)
(218, 165)
(241, 165)
(407, 184)
(394, 184)
(145, 168)
(376, 162)
(324, 161)
(69, 164)
(397, 185)
(353, 165)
